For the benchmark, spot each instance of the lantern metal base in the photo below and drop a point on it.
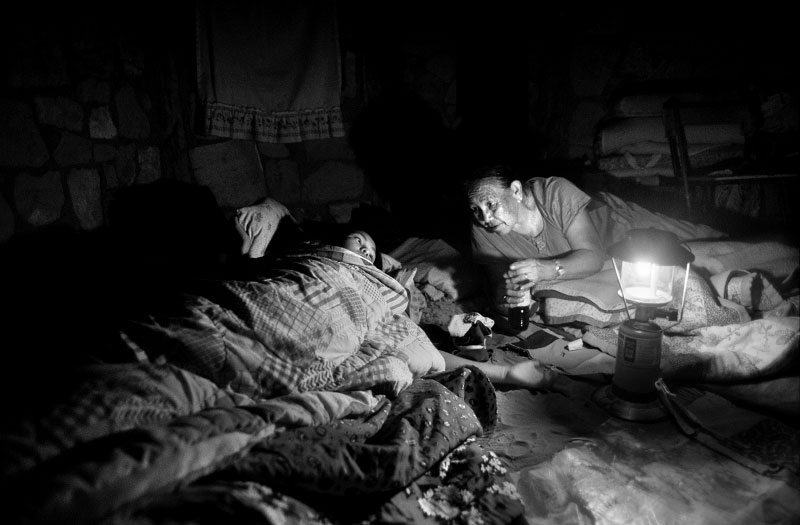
(639, 412)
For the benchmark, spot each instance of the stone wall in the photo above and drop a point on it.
(60, 155)
(318, 180)
(92, 102)
(83, 104)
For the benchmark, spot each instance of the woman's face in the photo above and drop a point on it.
(360, 243)
(494, 207)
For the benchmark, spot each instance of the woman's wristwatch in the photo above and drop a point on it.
(559, 268)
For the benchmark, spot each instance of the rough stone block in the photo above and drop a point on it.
(232, 170)
(21, 144)
(101, 125)
(104, 152)
(60, 112)
(91, 90)
(334, 181)
(342, 212)
(273, 151)
(110, 175)
(328, 149)
(39, 200)
(85, 194)
(133, 122)
(149, 165)
(73, 149)
(283, 180)
(125, 164)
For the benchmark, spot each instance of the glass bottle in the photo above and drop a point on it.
(519, 315)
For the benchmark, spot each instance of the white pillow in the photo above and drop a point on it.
(257, 225)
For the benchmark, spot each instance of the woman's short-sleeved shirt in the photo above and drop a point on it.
(559, 201)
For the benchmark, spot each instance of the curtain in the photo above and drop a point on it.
(269, 71)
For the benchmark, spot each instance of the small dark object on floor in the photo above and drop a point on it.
(472, 345)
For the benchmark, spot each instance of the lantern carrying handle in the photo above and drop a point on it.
(621, 291)
(683, 298)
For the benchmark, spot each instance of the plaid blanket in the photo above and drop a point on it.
(321, 318)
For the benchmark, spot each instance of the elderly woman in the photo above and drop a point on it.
(530, 231)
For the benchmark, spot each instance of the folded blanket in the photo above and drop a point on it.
(658, 162)
(618, 134)
(652, 105)
(752, 290)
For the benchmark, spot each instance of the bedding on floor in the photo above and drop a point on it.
(147, 443)
(296, 389)
(300, 394)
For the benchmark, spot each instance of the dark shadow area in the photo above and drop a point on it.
(409, 159)
(61, 296)
(65, 291)
(493, 83)
(170, 226)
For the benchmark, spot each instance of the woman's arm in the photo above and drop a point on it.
(584, 258)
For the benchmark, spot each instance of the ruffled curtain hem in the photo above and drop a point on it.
(236, 122)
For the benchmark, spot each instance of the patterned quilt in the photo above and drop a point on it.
(320, 318)
(300, 396)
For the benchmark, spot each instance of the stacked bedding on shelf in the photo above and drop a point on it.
(631, 141)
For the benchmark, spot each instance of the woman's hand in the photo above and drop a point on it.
(500, 298)
(514, 295)
(523, 275)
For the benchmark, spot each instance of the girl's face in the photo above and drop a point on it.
(494, 207)
(361, 243)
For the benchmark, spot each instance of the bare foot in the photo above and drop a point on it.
(529, 374)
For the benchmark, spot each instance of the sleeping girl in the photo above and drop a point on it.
(313, 317)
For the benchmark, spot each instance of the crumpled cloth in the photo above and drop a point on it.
(257, 225)
(753, 290)
(461, 323)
